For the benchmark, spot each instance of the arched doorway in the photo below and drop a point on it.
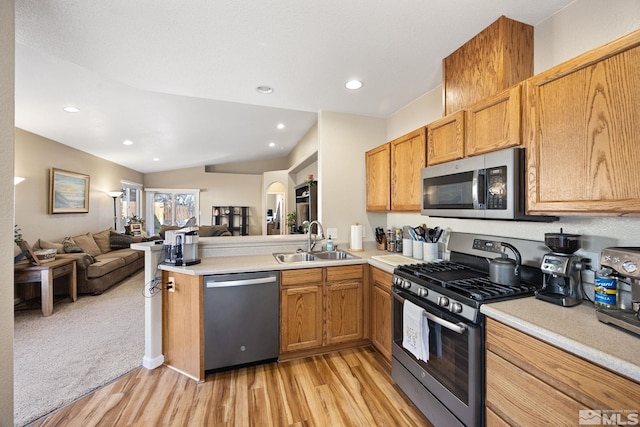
(275, 205)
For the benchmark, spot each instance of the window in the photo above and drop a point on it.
(130, 205)
(171, 207)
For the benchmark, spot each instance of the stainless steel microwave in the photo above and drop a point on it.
(488, 186)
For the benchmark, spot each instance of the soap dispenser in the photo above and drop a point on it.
(329, 243)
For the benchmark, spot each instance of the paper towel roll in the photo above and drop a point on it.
(356, 237)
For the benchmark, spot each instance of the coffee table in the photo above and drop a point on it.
(45, 274)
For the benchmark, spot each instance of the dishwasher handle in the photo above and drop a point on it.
(213, 283)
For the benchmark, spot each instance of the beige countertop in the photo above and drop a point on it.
(574, 329)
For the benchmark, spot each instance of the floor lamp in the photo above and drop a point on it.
(115, 195)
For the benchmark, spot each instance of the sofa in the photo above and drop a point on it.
(102, 259)
(203, 230)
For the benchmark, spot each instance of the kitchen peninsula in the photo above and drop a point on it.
(574, 330)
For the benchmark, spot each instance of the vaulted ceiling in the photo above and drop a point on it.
(178, 78)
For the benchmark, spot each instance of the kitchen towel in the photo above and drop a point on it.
(415, 333)
(356, 237)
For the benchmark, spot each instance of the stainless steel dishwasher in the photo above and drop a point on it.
(241, 319)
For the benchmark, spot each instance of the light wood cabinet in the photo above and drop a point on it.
(581, 122)
(320, 307)
(182, 325)
(445, 139)
(531, 382)
(378, 164)
(301, 309)
(408, 157)
(381, 312)
(494, 123)
(398, 187)
(497, 58)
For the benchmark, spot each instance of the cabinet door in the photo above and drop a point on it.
(300, 317)
(344, 311)
(381, 312)
(497, 58)
(494, 123)
(581, 132)
(378, 163)
(408, 157)
(445, 139)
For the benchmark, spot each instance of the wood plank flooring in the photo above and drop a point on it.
(345, 388)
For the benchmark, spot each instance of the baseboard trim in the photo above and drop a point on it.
(152, 363)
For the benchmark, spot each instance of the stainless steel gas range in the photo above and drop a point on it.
(438, 355)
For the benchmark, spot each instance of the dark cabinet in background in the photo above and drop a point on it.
(236, 217)
(306, 203)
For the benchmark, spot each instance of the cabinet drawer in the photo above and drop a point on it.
(345, 272)
(61, 271)
(381, 278)
(303, 275)
(589, 384)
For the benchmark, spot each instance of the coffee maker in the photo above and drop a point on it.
(625, 261)
(181, 246)
(562, 282)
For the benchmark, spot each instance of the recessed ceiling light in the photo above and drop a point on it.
(265, 89)
(71, 109)
(272, 144)
(127, 142)
(280, 125)
(155, 159)
(353, 84)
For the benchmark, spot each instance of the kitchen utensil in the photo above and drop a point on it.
(562, 243)
(439, 234)
(504, 270)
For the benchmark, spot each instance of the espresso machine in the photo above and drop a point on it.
(181, 246)
(562, 269)
(625, 261)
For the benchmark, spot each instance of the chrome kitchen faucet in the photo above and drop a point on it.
(321, 234)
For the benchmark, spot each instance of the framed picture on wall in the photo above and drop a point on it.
(68, 192)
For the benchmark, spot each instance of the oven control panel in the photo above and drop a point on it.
(436, 298)
(487, 245)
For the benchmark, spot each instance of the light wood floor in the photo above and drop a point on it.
(345, 388)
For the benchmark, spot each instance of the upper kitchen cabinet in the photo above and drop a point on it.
(494, 123)
(378, 164)
(445, 139)
(408, 157)
(581, 122)
(496, 59)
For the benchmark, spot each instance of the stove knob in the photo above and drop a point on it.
(443, 301)
(629, 266)
(405, 284)
(455, 307)
(422, 292)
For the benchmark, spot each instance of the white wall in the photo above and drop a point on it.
(7, 65)
(216, 189)
(581, 26)
(342, 142)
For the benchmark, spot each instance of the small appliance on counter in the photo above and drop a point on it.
(625, 261)
(562, 283)
(181, 246)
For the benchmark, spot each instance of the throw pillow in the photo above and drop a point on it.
(219, 230)
(102, 240)
(45, 244)
(119, 241)
(86, 242)
(70, 247)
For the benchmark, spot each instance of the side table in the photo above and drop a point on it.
(45, 273)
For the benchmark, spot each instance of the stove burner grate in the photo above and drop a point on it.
(481, 288)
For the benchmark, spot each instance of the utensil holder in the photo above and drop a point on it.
(407, 247)
(430, 251)
(417, 249)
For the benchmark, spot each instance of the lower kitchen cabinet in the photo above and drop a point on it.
(531, 382)
(321, 308)
(381, 311)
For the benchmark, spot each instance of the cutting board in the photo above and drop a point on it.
(395, 260)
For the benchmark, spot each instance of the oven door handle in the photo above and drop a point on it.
(459, 328)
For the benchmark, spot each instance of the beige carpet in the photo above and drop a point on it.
(79, 348)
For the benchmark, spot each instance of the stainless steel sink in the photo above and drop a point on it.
(287, 258)
(334, 255)
(295, 257)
